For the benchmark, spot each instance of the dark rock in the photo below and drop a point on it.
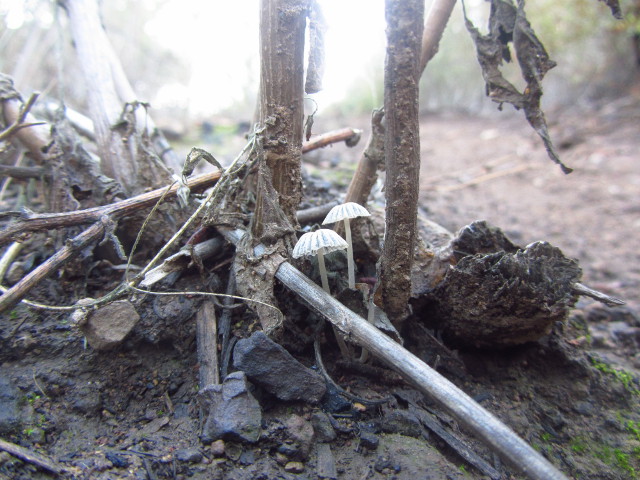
(369, 441)
(191, 455)
(10, 419)
(403, 423)
(333, 402)
(118, 461)
(87, 399)
(270, 366)
(322, 427)
(585, 408)
(231, 411)
(248, 457)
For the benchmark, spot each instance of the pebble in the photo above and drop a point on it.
(294, 467)
(191, 455)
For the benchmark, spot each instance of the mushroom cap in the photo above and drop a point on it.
(311, 242)
(346, 210)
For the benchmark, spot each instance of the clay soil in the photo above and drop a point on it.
(574, 395)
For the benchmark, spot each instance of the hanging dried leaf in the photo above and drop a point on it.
(508, 24)
(614, 5)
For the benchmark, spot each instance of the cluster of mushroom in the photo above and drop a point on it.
(325, 241)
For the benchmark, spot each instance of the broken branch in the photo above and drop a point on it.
(351, 136)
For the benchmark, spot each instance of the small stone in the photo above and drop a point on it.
(368, 440)
(281, 458)
(301, 432)
(270, 366)
(108, 326)
(403, 423)
(191, 455)
(233, 413)
(322, 427)
(217, 448)
(294, 467)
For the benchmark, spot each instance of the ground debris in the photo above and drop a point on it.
(505, 297)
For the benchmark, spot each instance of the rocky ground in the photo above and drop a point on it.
(133, 412)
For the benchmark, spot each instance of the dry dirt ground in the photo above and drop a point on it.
(573, 395)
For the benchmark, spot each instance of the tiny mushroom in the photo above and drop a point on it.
(345, 212)
(318, 243)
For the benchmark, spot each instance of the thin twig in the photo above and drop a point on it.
(19, 123)
(32, 457)
(608, 300)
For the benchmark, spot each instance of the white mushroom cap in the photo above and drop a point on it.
(311, 242)
(346, 210)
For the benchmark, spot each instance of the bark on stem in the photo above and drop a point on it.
(282, 27)
(402, 151)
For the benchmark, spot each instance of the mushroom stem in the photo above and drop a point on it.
(323, 270)
(350, 263)
(344, 349)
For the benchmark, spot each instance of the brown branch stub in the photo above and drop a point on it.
(402, 151)
(351, 136)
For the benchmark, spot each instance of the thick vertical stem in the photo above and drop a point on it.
(402, 151)
(282, 27)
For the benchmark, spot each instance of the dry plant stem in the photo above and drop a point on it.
(314, 214)
(402, 152)
(482, 423)
(105, 106)
(434, 25)
(207, 339)
(581, 289)
(282, 34)
(48, 221)
(31, 457)
(371, 161)
(19, 123)
(33, 138)
(21, 173)
(335, 136)
(73, 248)
(8, 257)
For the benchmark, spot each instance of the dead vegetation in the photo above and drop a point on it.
(477, 288)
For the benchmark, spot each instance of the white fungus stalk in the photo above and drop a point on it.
(345, 212)
(350, 263)
(323, 271)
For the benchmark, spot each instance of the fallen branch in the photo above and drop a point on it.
(31, 222)
(474, 417)
(207, 338)
(31, 457)
(21, 173)
(73, 248)
(351, 136)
